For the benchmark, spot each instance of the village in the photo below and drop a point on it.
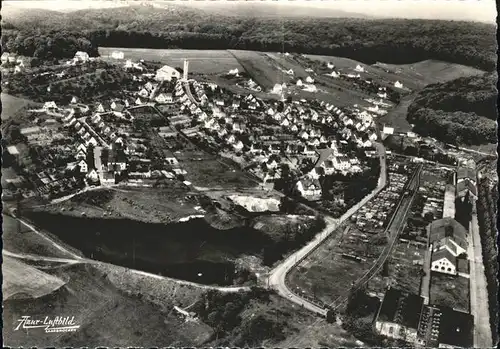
(166, 126)
(80, 145)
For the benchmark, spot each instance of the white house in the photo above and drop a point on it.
(49, 106)
(81, 56)
(83, 166)
(164, 98)
(309, 188)
(117, 55)
(299, 83)
(234, 72)
(397, 84)
(238, 146)
(289, 72)
(93, 176)
(443, 261)
(330, 65)
(359, 69)
(167, 73)
(138, 101)
(309, 80)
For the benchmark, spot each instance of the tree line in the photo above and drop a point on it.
(369, 41)
(461, 111)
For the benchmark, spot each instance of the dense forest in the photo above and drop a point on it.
(369, 41)
(461, 111)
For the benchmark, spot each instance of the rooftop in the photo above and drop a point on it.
(401, 308)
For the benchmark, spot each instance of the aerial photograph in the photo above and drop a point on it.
(306, 174)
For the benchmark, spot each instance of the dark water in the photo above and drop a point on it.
(181, 250)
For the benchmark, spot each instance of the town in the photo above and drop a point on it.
(399, 230)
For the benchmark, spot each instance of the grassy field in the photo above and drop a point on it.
(451, 291)
(261, 68)
(21, 281)
(200, 61)
(12, 105)
(27, 241)
(397, 117)
(204, 170)
(432, 71)
(152, 205)
(108, 316)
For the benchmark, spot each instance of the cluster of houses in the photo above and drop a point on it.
(17, 63)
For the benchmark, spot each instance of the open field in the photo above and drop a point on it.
(204, 170)
(108, 316)
(261, 68)
(21, 281)
(200, 61)
(431, 71)
(449, 290)
(164, 204)
(11, 105)
(26, 241)
(396, 117)
(403, 269)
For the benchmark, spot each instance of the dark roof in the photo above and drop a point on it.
(401, 308)
(443, 253)
(463, 186)
(438, 230)
(465, 172)
(455, 328)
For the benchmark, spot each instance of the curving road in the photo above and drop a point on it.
(277, 277)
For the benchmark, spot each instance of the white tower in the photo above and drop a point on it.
(185, 71)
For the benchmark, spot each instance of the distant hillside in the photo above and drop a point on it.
(461, 111)
(174, 26)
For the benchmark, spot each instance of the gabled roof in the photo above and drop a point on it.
(444, 253)
(438, 230)
(464, 186)
(401, 308)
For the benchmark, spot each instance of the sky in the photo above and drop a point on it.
(471, 10)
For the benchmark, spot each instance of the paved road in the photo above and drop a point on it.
(478, 289)
(277, 277)
(189, 94)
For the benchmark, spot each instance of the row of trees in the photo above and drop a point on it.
(487, 218)
(47, 46)
(392, 41)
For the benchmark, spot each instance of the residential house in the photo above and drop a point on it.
(138, 101)
(255, 148)
(117, 55)
(81, 153)
(83, 166)
(81, 56)
(309, 188)
(397, 84)
(447, 240)
(399, 315)
(92, 176)
(165, 98)
(50, 106)
(238, 146)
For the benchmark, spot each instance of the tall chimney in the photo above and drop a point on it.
(185, 72)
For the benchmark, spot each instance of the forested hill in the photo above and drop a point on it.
(461, 111)
(369, 41)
